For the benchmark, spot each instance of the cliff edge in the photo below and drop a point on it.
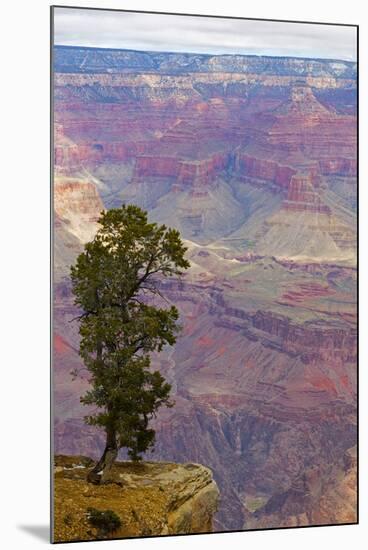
(151, 498)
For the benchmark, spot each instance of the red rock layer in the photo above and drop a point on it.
(304, 125)
(153, 167)
(196, 172)
(258, 396)
(265, 170)
(303, 197)
(328, 344)
(73, 156)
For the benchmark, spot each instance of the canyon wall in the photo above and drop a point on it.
(253, 159)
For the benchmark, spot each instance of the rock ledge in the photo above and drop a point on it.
(151, 498)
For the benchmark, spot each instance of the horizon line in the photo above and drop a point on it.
(187, 52)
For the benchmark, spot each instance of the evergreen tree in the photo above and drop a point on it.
(115, 281)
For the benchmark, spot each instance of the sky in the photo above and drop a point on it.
(158, 32)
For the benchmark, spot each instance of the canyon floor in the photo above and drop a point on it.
(253, 159)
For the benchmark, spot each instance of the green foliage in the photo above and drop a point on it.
(106, 522)
(116, 285)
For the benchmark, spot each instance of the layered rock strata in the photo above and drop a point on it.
(254, 161)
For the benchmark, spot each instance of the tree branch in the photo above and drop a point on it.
(85, 314)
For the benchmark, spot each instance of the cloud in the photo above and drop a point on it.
(158, 32)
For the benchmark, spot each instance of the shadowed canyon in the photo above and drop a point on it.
(253, 159)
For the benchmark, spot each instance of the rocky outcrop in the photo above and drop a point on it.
(303, 102)
(303, 124)
(77, 205)
(250, 167)
(155, 167)
(202, 172)
(150, 498)
(303, 196)
(70, 156)
(73, 156)
(189, 173)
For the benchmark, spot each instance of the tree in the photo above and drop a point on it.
(115, 281)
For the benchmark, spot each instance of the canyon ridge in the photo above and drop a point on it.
(253, 159)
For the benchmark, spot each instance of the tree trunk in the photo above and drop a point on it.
(100, 473)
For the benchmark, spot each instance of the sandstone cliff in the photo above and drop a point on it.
(151, 498)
